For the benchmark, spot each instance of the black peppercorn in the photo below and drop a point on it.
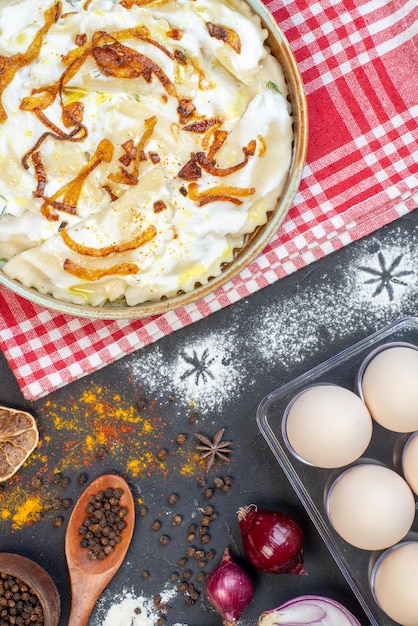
(218, 483)
(162, 455)
(36, 483)
(172, 498)
(102, 528)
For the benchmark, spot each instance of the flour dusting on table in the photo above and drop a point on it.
(205, 372)
(376, 285)
(129, 609)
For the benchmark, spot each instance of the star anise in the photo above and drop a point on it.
(214, 449)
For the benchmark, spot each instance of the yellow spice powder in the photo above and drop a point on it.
(27, 511)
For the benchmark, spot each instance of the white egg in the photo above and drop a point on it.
(390, 390)
(371, 506)
(327, 426)
(410, 462)
(395, 583)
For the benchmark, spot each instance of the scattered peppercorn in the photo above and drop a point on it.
(145, 574)
(181, 438)
(177, 519)
(82, 478)
(56, 503)
(57, 477)
(156, 524)
(101, 452)
(192, 418)
(164, 540)
(143, 511)
(58, 521)
(162, 454)
(141, 404)
(36, 483)
(186, 575)
(172, 498)
(208, 493)
(195, 595)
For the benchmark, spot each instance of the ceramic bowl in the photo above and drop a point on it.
(255, 243)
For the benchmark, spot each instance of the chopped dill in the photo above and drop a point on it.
(271, 85)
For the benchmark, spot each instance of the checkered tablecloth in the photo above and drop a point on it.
(359, 63)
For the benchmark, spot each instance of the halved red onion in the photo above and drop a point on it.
(309, 611)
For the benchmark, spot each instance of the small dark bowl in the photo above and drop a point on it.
(38, 579)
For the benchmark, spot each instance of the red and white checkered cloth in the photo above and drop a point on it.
(359, 62)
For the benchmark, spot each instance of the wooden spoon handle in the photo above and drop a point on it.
(77, 617)
(84, 593)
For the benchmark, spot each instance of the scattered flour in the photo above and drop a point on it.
(365, 295)
(377, 284)
(204, 373)
(131, 610)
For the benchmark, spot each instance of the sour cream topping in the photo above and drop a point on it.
(138, 146)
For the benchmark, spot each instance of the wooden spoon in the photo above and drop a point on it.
(89, 578)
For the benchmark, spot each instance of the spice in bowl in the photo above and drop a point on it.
(19, 604)
(28, 594)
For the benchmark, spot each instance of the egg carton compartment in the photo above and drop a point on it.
(310, 482)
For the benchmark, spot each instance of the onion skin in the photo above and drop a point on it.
(309, 611)
(229, 589)
(273, 541)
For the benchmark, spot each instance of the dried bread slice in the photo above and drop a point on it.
(19, 437)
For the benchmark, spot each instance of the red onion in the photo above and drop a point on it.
(230, 590)
(309, 611)
(273, 541)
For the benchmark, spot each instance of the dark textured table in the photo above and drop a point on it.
(128, 416)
